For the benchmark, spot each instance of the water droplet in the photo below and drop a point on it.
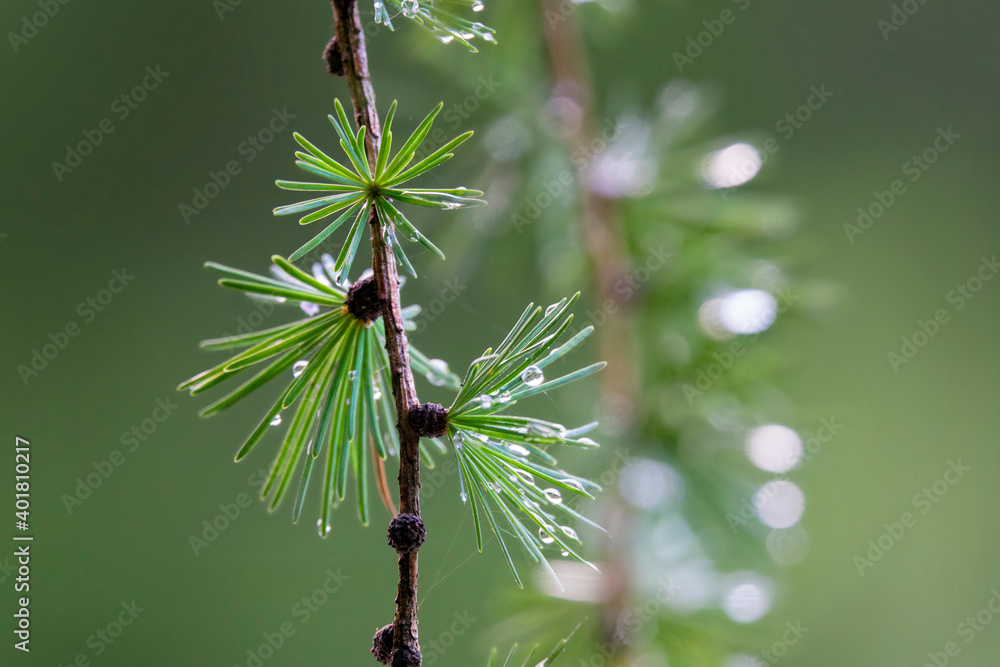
(526, 477)
(376, 392)
(409, 7)
(570, 533)
(478, 6)
(517, 450)
(458, 439)
(276, 421)
(309, 309)
(551, 308)
(485, 402)
(489, 37)
(553, 496)
(331, 267)
(439, 368)
(504, 397)
(545, 537)
(298, 367)
(587, 442)
(532, 376)
(574, 484)
(563, 552)
(446, 39)
(352, 375)
(541, 430)
(493, 487)
(464, 496)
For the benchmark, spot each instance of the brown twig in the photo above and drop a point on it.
(607, 254)
(354, 59)
(569, 71)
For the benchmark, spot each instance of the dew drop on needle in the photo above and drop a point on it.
(532, 376)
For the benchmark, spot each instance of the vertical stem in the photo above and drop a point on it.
(351, 38)
(569, 71)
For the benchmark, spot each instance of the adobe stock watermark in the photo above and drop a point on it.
(461, 111)
(786, 126)
(970, 628)
(561, 13)
(923, 501)
(626, 287)
(121, 108)
(7, 569)
(699, 42)
(248, 150)
(254, 320)
(750, 504)
(131, 441)
(103, 638)
(88, 310)
(898, 17)
(630, 623)
(773, 654)
(433, 649)
(32, 23)
(447, 295)
(556, 188)
(927, 329)
(913, 169)
(223, 7)
(228, 513)
(303, 610)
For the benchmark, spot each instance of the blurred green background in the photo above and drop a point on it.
(118, 210)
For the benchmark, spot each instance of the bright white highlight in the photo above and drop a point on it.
(780, 504)
(744, 661)
(732, 166)
(788, 547)
(646, 484)
(748, 311)
(748, 599)
(774, 448)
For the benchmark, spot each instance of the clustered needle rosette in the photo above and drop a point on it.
(354, 191)
(336, 361)
(444, 25)
(503, 459)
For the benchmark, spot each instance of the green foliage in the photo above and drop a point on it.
(548, 660)
(339, 376)
(355, 190)
(503, 459)
(444, 25)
